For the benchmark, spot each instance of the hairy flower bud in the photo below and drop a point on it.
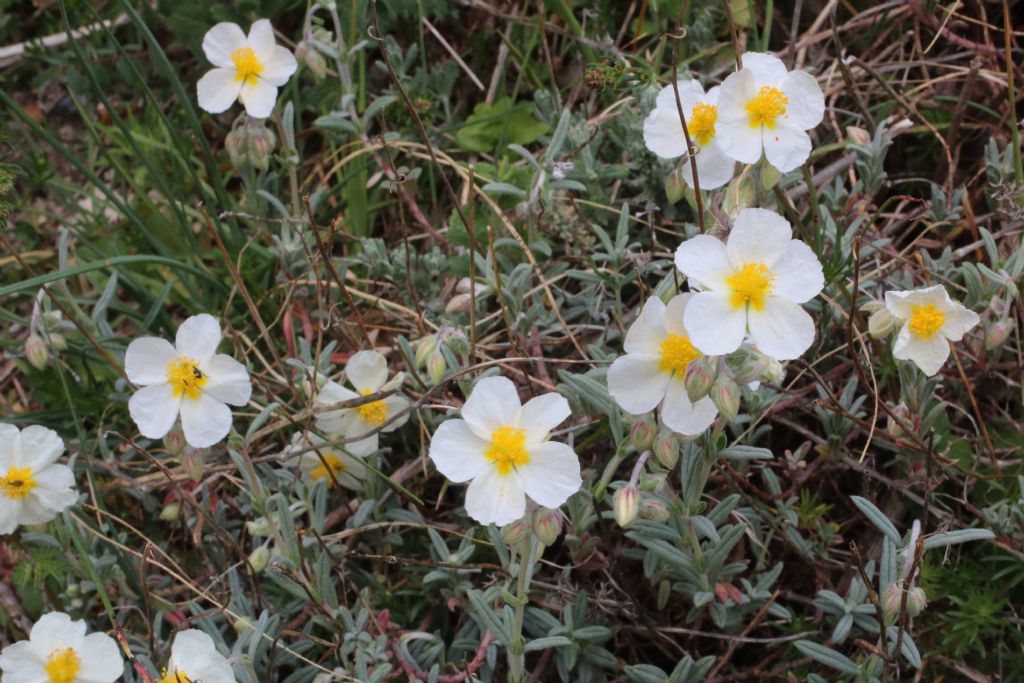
(457, 342)
(458, 304)
(36, 352)
(193, 463)
(174, 441)
(747, 364)
(997, 333)
(642, 433)
(547, 525)
(260, 145)
(654, 509)
(666, 449)
(236, 143)
(626, 505)
(891, 598)
(259, 558)
(516, 532)
(881, 323)
(314, 61)
(675, 185)
(916, 601)
(699, 378)
(900, 420)
(436, 367)
(725, 394)
(424, 348)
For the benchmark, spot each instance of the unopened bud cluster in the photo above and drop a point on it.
(251, 143)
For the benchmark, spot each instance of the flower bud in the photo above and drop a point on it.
(653, 482)
(916, 601)
(259, 558)
(236, 144)
(654, 509)
(424, 348)
(260, 145)
(699, 377)
(675, 186)
(52, 320)
(174, 442)
(881, 323)
(193, 463)
(314, 61)
(997, 333)
(725, 394)
(458, 304)
(57, 342)
(739, 195)
(904, 418)
(626, 505)
(747, 364)
(258, 527)
(642, 434)
(436, 367)
(171, 511)
(36, 352)
(773, 371)
(516, 532)
(666, 449)
(891, 601)
(547, 525)
(457, 343)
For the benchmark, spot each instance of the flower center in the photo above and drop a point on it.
(17, 483)
(750, 284)
(247, 65)
(702, 122)
(767, 105)
(185, 377)
(62, 666)
(329, 467)
(677, 353)
(507, 449)
(925, 321)
(374, 413)
(176, 677)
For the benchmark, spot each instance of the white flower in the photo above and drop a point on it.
(658, 351)
(930, 320)
(503, 447)
(757, 281)
(195, 659)
(763, 106)
(663, 133)
(367, 371)
(328, 463)
(250, 68)
(189, 377)
(33, 486)
(58, 651)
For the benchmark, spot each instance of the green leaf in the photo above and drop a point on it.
(502, 121)
(877, 518)
(827, 656)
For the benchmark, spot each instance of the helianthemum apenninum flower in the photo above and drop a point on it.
(756, 281)
(501, 447)
(190, 378)
(59, 651)
(663, 133)
(930, 321)
(195, 659)
(764, 106)
(367, 371)
(34, 487)
(327, 463)
(658, 352)
(250, 68)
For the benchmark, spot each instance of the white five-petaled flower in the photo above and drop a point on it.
(190, 378)
(757, 280)
(658, 351)
(327, 463)
(367, 371)
(503, 447)
(33, 486)
(930, 321)
(763, 106)
(195, 659)
(58, 651)
(663, 133)
(248, 67)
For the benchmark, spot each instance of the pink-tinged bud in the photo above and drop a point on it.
(458, 304)
(666, 449)
(171, 511)
(36, 352)
(901, 419)
(425, 347)
(436, 367)
(259, 558)
(997, 333)
(236, 144)
(725, 394)
(916, 601)
(314, 61)
(654, 509)
(699, 378)
(626, 505)
(517, 532)
(193, 463)
(675, 185)
(881, 323)
(174, 441)
(547, 525)
(260, 146)
(642, 434)
(891, 601)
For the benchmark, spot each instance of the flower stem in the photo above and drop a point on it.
(516, 655)
(609, 470)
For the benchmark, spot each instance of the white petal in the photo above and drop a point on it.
(221, 41)
(101, 660)
(786, 147)
(217, 90)
(675, 312)
(204, 420)
(10, 446)
(806, 102)
(40, 447)
(684, 417)
(929, 355)
(19, 661)
(781, 329)
(758, 236)
(261, 39)
(739, 141)
(648, 330)
(396, 404)
(798, 274)
(690, 93)
(492, 403)
(735, 92)
(198, 338)
(367, 371)
(10, 514)
(154, 410)
(958, 321)
(259, 98)
(716, 326)
(495, 499)
(541, 414)
(279, 67)
(663, 134)
(901, 304)
(637, 383)
(714, 167)
(145, 361)
(332, 393)
(768, 69)
(228, 380)
(195, 655)
(53, 493)
(364, 447)
(56, 630)
(704, 261)
(552, 475)
(457, 452)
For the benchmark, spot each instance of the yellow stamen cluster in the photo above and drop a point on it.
(925, 321)
(185, 377)
(507, 449)
(176, 677)
(17, 483)
(766, 106)
(677, 353)
(374, 413)
(702, 122)
(247, 65)
(329, 468)
(750, 284)
(62, 666)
